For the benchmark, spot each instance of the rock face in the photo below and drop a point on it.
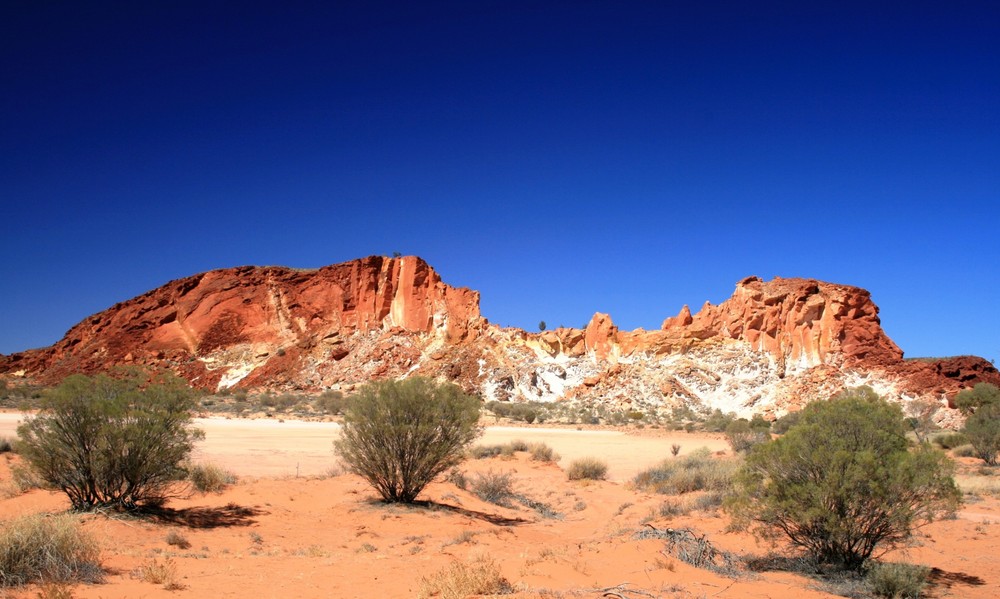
(767, 349)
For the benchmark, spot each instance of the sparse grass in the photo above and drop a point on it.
(156, 571)
(897, 580)
(977, 485)
(480, 576)
(367, 548)
(696, 471)
(481, 452)
(47, 548)
(209, 478)
(54, 590)
(587, 469)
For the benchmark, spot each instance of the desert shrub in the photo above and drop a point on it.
(951, 440)
(540, 452)
(480, 576)
(330, 402)
(742, 435)
(587, 469)
(47, 548)
(781, 425)
(965, 451)
(717, 421)
(400, 435)
(6, 445)
(108, 442)
(481, 452)
(697, 471)
(842, 482)
(209, 478)
(518, 445)
(897, 581)
(981, 404)
(163, 572)
(494, 487)
(178, 540)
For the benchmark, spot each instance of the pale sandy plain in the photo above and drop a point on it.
(289, 528)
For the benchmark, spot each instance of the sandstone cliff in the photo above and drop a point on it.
(769, 347)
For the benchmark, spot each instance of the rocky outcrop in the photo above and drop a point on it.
(767, 349)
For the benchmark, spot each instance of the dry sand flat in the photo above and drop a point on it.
(314, 536)
(270, 447)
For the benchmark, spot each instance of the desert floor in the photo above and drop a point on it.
(292, 526)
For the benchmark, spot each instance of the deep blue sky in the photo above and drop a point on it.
(560, 157)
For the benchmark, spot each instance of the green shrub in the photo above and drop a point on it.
(965, 451)
(717, 421)
(781, 425)
(209, 478)
(843, 482)
(108, 442)
(45, 548)
(897, 581)
(330, 402)
(981, 404)
(697, 471)
(742, 436)
(400, 435)
(950, 440)
(587, 469)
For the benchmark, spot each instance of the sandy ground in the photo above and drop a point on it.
(270, 447)
(277, 535)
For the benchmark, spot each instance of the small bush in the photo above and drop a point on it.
(540, 452)
(47, 548)
(742, 436)
(897, 581)
(163, 572)
(144, 430)
(518, 445)
(696, 471)
(781, 425)
(176, 539)
(6, 445)
(209, 478)
(587, 469)
(481, 452)
(951, 440)
(481, 576)
(401, 435)
(844, 481)
(964, 451)
(494, 487)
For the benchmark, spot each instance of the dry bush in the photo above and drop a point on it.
(178, 540)
(696, 471)
(897, 581)
(162, 572)
(540, 452)
(480, 576)
(6, 445)
(587, 469)
(54, 590)
(481, 452)
(494, 487)
(47, 548)
(209, 478)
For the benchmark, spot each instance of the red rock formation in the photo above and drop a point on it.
(767, 349)
(280, 312)
(798, 321)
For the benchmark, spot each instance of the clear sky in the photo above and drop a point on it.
(560, 157)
